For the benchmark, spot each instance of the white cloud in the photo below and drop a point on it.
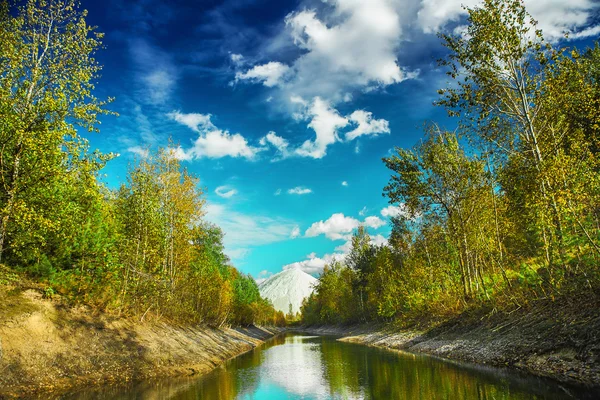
(586, 33)
(374, 222)
(180, 154)
(270, 74)
(379, 240)
(351, 45)
(366, 125)
(325, 121)
(212, 142)
(237, 58)
(243, 231)
(363, 211)
(295, 232)
(139, 151)
(393, 211)
(298, 100)
(345, 46)
(277, 192)
(225, 191)
(339, 226)
(279, 143)
(345, 248)
(554, 16)
(344, 183)
(336, 227)
(195, 121)
(300, 190)
(217, 144)
(314, 264)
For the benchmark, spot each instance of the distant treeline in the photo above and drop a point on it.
(503, 211)
(142, 250)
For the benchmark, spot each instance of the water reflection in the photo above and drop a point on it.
(311, 367)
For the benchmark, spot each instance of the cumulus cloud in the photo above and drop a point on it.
(554, 17)
(344, 248)
(393, 211)
(314, 264)
(325, 121)
(366, 125)
(336, 227)
(195, 121)
(339, 226)
(225, 191)
(348, 45)
(344, 183)
(374, 222)
(270, 74)
(355, 48)
(300, 190)
(279, 143)
(212, 142)
(379, 240)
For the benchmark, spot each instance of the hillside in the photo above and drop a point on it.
(288, 287)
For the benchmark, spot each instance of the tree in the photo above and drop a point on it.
(47, 75)
(439, 182)
(511, 96)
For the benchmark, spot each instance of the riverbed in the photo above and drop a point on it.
(296, 366)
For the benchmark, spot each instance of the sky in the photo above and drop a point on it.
(285, 109)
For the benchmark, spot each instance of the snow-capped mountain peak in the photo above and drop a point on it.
(291, 286)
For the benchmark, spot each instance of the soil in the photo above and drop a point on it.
(555, 339)
(47, 346)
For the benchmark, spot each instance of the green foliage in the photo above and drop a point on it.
(143, 251)
(501, 212)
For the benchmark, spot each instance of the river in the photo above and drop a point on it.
(295, 366)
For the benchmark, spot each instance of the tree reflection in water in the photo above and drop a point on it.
(311, 367)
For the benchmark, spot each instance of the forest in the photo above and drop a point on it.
(143, 250)
(503, 211)
(497, 214)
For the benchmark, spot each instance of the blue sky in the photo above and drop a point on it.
(284, 109)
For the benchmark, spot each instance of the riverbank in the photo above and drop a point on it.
(559, 340)
(48, 346)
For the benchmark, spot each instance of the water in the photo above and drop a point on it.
(314, 367)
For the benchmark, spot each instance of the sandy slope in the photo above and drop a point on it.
(47, 346)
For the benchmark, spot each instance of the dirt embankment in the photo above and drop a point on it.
(560, 340)
(48, 347)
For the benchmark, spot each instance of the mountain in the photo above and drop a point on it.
(287, 287)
